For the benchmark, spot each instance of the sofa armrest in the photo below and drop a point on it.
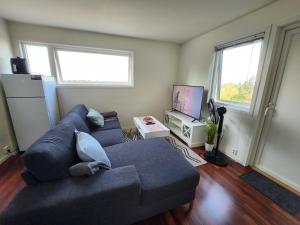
(78, 200)
(107, 115)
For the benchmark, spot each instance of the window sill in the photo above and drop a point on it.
(235, 107)
(94, 86)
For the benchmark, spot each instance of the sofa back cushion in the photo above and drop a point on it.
(82, 111)
(76, 120)
(50, 157)
(77, 117)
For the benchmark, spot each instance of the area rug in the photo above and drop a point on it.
(193, 158)
(281, 196)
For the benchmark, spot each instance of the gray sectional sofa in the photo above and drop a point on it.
(147, 177)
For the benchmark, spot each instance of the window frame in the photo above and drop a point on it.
(215, 76)
(55, 67)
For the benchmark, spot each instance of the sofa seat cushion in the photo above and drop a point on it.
(92, 200)
(109, 123)
(163, 171)
(108, 137)
(50, 157)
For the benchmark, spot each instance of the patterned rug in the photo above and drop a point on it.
(192, 157)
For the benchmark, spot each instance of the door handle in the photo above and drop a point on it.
(270, 108)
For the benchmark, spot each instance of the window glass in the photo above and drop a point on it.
(238, 72)
(88, 67)
(38, 59)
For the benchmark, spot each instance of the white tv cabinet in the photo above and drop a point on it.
(192, 133)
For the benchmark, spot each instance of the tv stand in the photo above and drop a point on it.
(191, 132)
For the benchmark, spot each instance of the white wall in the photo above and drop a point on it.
(196, 56)
(6, 135)
(280, 155)
(155, 70)
(5, 48)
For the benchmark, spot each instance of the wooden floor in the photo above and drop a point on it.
(222, 198)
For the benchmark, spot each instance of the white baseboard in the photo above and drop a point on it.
(279, 177)
(4, 158)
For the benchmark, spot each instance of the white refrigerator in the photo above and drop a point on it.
(32, 104)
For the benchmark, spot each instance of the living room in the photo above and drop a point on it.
(163, 43)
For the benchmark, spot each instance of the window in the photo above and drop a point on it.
(236, 72)
(38, 59)
(74, 65)
(93, 67)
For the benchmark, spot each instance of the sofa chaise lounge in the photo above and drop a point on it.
(147, 177)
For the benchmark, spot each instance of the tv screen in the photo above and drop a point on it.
(188, 100)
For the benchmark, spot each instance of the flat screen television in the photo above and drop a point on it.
(188, 100)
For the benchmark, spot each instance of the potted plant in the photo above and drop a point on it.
(211, 134)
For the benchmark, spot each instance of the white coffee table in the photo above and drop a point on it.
(150, 131)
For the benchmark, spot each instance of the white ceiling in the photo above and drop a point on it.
(167, 20)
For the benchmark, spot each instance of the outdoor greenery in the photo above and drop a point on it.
(241, 93)
(211, 131)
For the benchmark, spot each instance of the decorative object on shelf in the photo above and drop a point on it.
(211, 134)
(217, 117)
(148, 120)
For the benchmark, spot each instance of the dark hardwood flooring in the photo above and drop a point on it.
(222, 198)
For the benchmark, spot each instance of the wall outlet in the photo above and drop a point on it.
(234, 152)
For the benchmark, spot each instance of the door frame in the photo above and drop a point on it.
(282, 41)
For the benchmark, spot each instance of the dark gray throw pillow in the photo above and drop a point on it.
(86, 168)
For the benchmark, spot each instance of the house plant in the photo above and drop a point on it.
(211, 134)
